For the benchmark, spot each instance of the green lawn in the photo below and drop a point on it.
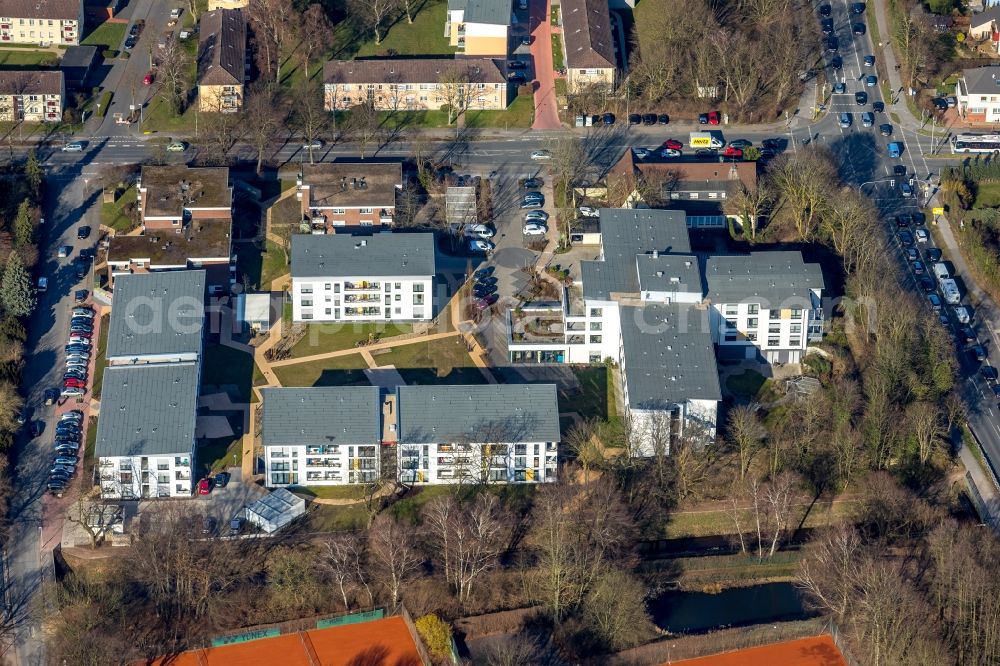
(557, 52)
(261, 267)
(158, 117)
(88, 452)
(285, 211)
(214, 455)
(331, 492)
(596, 398)
(987, 195)
(114, 215)
(747, 384)
(24, 58)
(100, 361)
(107, 35)
(425, 36)
(410, 506)
(323, 338)
(325, 518)
(338, 371)
(435, 362)
(520, 113)
(709, 522)
(225, 365)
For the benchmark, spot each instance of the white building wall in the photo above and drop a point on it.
(431, 464)
(362, 298)
(165, 475)
(320, 464)
(484, 30)
(780, 335)
(15, 30)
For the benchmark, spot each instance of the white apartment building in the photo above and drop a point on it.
(479, 27)
(417, 434)
(663, 313)
(41, 22)
(978, 95)
(385, 277)
(34, 96)
(146, 430)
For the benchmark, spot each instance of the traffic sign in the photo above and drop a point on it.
(937, 211)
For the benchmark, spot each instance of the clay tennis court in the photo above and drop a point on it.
(814, 651)
(384, 642)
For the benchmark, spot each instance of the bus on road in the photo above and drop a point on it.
(975, 143)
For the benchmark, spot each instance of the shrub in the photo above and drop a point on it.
(436, 634)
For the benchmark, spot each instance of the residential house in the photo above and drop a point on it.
(385, 277)
(415, 84)
(41, 22)
(339, 195)
(986, 25)
(76, 64)
(978, 93)
(227, 4)
(222, 64)
(700, 189)
(157, 318)
(31, 95)
(479, 27)
(145, 443)
(663, 313)
(171, 196)
(417, 434)
(590, 52)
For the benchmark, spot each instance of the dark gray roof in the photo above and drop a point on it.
(669, 272)
(484, 414)
(321, 415)
(222, 48)
(775, 279)
(982, 80)
(587, 34)
(78, 56)
(148, 410)
(157, 313)
(381, 255)
(668, 355)
(626, 232)
(984, 17)
(493, 12)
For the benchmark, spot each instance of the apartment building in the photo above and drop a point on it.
(222, 60)
(978, 94)
(417, 434)
(32, 96)
(664, 313)
(335, 196)
(385, 277)
(145, 443)
(227, 4)
(172, 196)
(590, 51)
(157, 318)
(479, 27)
(41, 22)
(415, 84)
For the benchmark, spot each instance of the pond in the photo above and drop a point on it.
(699, 612)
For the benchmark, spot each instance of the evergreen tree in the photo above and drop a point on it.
(33, 174)
(16, 292)
(24, 230)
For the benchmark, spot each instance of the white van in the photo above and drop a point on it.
(962, 314)
(941, 271)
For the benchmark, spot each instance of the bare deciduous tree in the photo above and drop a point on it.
(392, 555)
(172, 74)
(309, 115)
(374, 13)
(317, 34)
(263, 117)
(275, 23)
(745, 433)
(341, 559)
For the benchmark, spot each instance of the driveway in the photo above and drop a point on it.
(546, 113)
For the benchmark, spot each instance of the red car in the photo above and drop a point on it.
(713, 117)
(82, 334)
(74, 383)
(148, 80)
(673, 144)
(730, 151)
(205, 486)
(483, 303)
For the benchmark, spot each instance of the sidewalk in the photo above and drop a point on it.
(906, 118)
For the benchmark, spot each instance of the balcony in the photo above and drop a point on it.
(362, 312)
(362, 286)
(323, 450)
(363, 298)
(182, 476)
(322, 462)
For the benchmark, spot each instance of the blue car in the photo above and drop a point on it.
(871, 80)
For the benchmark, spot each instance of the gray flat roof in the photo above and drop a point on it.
(626, 232)
(321, 415)
(775, 278)
(492, 12)
(157, 313)
(484, 414)
(381, 255)
(669, 272)
(148, 410)
(668, 355)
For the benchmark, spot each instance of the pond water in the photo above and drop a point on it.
(699, 612)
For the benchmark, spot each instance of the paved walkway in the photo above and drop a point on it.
(896, 104)
(546, 112)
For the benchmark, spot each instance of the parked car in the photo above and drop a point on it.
(649, 119)
(483, 274)
(532, 202)
(921, 235)
(832, 45)
(634, 119)
(932, 255)
(205, 486)
(608, 119)
(867, 119)
(478, 245)
(836, 62)
(911, 254)
(130, 43)
(64, 251)
(541, 155)
(71, 392)
(825, 10)
(517, 64)
(906, 190)
(43, 284)
(885, 129)
(210, 525)
(742, 144)
(177, 147)
(532, 183)
(710, 118)
(479, 231)
(927, 284)
(483, 303)
(517, 78)
(222, 479)
(673, 144)
(148, 79)
(663, 119)
(906, 238)
(81, 333)
(587, 211)
(534, 229)
(732, 151)
(37, 428)
(536, 216)
(858, 28)
(827, 26)
(74, 383)
(918, 267)
(989, 373)
(669, 153)
(80, 295)
(483, 290)
(978, 352)
(176, 12)
(82, 311)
